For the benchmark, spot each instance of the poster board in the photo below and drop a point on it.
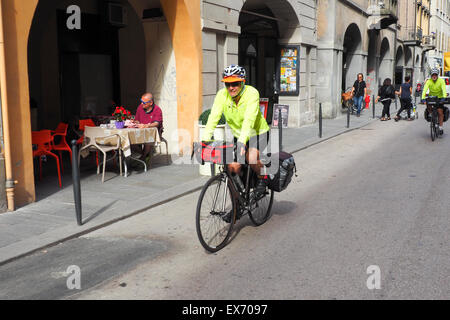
(263, 106)
(284, 115)
(289, 69)
(446, 62)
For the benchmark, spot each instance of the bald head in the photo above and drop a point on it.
(147, 101)
(147, 96)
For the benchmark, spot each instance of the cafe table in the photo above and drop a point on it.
(128, 137)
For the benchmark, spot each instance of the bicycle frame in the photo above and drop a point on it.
(434, 103)
(242, 196)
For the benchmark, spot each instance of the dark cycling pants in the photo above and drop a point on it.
(258, 142)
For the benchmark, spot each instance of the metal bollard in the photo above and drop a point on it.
(348, 117)
(280, 130)
(320, 120)
(373, 106)
(395, 101)
(76, 181)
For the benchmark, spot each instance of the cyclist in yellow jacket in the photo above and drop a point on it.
(239, 103)
(436, 86)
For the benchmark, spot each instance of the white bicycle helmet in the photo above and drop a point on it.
(233, 73)
(434, 71)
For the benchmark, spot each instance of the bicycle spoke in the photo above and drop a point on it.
(214, 204)
(260, 209)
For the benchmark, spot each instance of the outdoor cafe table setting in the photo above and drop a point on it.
(128, 137)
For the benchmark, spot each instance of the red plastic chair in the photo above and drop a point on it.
(61, 130)
(44, 141)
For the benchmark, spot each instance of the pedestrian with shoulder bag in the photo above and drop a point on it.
(385, 95)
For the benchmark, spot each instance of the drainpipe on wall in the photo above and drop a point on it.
(5, 118)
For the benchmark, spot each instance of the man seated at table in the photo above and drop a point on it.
(148, 115)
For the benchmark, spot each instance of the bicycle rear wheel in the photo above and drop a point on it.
(260, 209)
(216, 213)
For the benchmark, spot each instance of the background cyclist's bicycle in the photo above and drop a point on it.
(434, 103)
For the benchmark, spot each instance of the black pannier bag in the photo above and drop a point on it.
(427, 116)
(279, 181)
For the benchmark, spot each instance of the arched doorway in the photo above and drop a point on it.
(351, 59)
(372, 62)
(408, 63)
(399, 65)
(385, 60)
(83, 73)
(264, 25)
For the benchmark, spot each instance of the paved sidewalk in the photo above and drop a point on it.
(51, 219)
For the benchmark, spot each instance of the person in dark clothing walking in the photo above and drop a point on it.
(385, 94)
(405, 98)
(359, 92)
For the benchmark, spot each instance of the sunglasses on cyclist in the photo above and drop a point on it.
(232, 84)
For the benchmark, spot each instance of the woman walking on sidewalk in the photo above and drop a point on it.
(359, 92)
(385, 94)
(405, 98)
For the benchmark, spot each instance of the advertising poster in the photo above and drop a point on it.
(263, 106)
(289, 71)
(284, 115)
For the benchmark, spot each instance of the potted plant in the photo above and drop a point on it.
(120, 115)
(219, 134)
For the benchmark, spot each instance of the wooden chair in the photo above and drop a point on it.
(61, 131)
(44, 140)
(94, 133)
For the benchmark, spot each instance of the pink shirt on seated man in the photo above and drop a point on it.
(148, 114)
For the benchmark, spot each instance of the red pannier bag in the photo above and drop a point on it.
(218, 152)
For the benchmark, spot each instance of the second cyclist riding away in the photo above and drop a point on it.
(436, 88)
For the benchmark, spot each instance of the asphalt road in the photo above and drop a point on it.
(377, 196)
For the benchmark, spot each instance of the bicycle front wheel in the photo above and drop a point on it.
(216, 213)
(432, 129)
(261, 208)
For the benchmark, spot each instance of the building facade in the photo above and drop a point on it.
(415, 39)
(300, 53)
(254, 33)
(440, 29)
(353, 37)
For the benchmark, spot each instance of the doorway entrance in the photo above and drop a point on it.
(258, 48)
(84, 73)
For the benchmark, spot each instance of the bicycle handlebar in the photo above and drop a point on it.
(433, 100)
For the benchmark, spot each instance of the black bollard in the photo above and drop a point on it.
(320, 120)
(76, 181)
(373, 104)
(348, 117)
(395, 101)
(280, 129)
